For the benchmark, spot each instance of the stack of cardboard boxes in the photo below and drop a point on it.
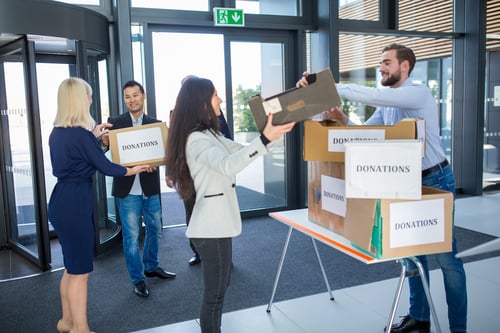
(392, 215)
(364, 182)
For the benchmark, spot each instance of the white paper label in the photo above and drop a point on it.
(416, 223)
(333, 195)
(338, 137)
(145, 144)
(389, 169)
(272, 106)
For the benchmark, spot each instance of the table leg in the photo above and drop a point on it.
(322, 269)
(397, 296)
(278, 273)
(425, 284)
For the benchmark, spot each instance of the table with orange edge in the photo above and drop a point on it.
(298, 220)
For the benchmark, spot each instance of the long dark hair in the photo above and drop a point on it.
(193, 111)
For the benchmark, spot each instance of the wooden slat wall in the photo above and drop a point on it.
(362, 51)
(493, 23)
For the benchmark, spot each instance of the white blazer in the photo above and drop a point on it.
(213, 162)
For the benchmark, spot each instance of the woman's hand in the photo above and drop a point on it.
(137, 169)
(102, 129)
(272, 132)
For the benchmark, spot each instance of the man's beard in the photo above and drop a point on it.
(391, 79)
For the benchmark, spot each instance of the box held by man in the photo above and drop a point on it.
(138, 145)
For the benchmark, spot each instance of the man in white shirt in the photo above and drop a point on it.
(406, 99)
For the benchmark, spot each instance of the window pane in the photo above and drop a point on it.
(359, 59)
(359, 10)
(262, 183)
(82, 2)
(421, 15)
(269, 7)
(19, 168)
(198, 5)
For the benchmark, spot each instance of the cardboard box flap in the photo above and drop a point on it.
(359, 222)
(297, 104)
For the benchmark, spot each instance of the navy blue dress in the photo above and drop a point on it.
(75, 156)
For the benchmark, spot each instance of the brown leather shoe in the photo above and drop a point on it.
(410, 325)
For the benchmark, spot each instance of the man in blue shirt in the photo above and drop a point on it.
(406, 99)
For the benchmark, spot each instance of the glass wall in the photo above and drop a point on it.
(491, 151)
(198, 5)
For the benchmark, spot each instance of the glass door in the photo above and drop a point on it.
(25, 218)
(257, 68)
(240, 65)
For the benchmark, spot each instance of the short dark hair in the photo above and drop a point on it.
(133, 83)
(402, 53)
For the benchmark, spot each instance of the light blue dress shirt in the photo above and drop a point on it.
(410, 100)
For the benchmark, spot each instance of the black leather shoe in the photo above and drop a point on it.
(195, 260)
(161, 273)
(141, 289)
(410, 325)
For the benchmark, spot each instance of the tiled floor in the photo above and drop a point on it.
(366, 308)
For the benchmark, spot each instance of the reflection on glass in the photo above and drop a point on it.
(262, 183)
(23, 227)
(269, 7)
(107, 225)
(200, 5)
(359, 10)
(359, 60)
(49, 76)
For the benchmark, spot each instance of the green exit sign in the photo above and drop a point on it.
(229, 17)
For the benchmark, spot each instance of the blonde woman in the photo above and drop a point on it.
(76, 156)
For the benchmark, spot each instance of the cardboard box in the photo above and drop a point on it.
(138, 145)
(383, 228)
(389, 169)
(297, 104)
(324, 140)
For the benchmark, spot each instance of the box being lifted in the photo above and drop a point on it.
(138, 145)
(297, 104)
(324, 140)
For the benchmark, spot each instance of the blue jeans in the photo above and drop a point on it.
(216, 258)
(131, 208)
(452, 268)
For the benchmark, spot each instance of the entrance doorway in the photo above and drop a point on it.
(241, 65)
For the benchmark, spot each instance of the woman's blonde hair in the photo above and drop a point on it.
(73, 104)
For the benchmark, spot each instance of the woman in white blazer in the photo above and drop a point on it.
(201, 161)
